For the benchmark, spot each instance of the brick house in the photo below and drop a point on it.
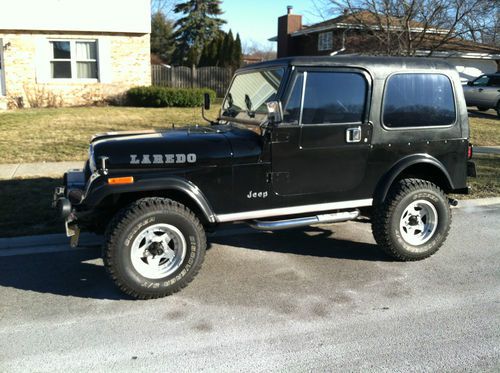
(346, 34)
(62, 52)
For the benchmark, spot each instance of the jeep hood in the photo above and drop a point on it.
(176, 148)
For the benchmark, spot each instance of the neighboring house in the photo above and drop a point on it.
(294, 39)
(64, 52)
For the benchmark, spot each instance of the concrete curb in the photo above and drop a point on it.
(88, 239)
(487, 149)
(467, 203)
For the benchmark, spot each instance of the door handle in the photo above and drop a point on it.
(353, 134)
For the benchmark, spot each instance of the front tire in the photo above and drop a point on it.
(154, 247)
(413, 221)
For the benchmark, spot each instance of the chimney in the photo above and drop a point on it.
(287, 25)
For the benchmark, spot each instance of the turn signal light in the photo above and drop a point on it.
(120, 180)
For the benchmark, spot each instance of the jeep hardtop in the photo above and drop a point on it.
(299, 141)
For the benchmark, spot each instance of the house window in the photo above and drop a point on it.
(325, 41)
(73, 59)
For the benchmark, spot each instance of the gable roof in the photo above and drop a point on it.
(362, 19)
(359, 20)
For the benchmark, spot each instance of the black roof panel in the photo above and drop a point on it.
(368, 62)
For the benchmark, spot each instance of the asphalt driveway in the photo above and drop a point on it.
(321, 299)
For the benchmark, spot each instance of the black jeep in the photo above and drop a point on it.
(299, 141)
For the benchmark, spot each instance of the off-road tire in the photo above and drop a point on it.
(129, 223)
(387, 215)
(482, 108)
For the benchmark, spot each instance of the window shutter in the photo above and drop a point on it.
(42, 60)
(104, 60)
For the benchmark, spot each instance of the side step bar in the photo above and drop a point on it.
(304, 221)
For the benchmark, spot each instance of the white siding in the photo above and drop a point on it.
(471, 68)
(123, 16)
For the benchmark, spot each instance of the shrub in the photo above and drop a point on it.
(155, 96)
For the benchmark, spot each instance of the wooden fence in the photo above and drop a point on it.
(213, 77)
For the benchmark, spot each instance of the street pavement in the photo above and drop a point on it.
(319, 299)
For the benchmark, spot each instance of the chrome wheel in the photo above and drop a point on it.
(418, 222)
(158, 251)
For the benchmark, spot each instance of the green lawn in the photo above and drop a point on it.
(485, 128)
(35, 135)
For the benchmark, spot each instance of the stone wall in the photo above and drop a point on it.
(127, 61)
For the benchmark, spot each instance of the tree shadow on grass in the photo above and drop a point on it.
(25, 207)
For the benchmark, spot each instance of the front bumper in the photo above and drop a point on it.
(66, 197)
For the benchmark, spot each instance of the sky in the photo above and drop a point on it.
(256, 20)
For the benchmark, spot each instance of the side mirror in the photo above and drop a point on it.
(470, 83)
(274, 112)
(206, 101)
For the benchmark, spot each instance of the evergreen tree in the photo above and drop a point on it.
(198, 24)
(162, 43)
(237, 55)
(226, 50)
(210, 54)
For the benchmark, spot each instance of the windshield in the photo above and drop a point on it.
(249, 93)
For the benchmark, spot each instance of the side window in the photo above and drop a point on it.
(418, 100)
(482, 81)
(334, 97)
(494, 81)
(291, 113)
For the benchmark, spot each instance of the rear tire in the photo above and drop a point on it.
(413, 221)
(154, 247)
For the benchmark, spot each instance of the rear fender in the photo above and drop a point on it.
(403, 165)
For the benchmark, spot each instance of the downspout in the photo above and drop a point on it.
(343, 43)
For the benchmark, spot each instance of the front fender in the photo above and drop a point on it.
(98, 193)
(403, 164)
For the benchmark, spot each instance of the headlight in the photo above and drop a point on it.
(92, 164)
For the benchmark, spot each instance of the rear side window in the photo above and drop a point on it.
(418, 100)
(494, 81)
(334, 97)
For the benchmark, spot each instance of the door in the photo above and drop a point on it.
(323, 144)
(474, 94)
(491, 93)
(2, 76)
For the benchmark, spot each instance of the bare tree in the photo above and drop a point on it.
(164, 6)
(265, 52)
(403, 27)
(484, 25)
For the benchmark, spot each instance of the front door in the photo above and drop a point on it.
(476, 94)
(323, 144)
(2, 79)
